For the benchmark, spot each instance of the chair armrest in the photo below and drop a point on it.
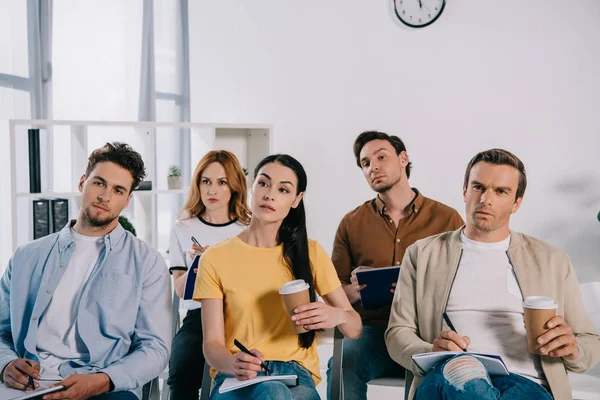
(408, 378)
(206, 382)
(150, 390)
(176, 321)
(337, 383)
(325, 337)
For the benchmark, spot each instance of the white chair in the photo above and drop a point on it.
(337, 377)
(151, 391)
(587, 386)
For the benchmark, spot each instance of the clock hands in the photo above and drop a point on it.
(428, 12)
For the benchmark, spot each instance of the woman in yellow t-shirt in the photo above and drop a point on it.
(238, 284)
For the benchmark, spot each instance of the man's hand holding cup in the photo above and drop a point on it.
(559, 340)
(548, 333)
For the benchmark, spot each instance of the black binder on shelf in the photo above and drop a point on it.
(60, 213)
(49, 215)
(41, 218)
(35, 180)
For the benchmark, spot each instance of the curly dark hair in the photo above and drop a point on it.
(121, 154)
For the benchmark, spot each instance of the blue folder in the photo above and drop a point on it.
(379, 282)
(188, 292)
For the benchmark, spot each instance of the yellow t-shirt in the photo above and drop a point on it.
(248, 280)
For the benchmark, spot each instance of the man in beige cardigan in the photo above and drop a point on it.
(479, 275)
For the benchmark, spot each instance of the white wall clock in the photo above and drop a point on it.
(418, 13)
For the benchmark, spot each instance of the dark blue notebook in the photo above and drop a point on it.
(188, 292)
(379, 282)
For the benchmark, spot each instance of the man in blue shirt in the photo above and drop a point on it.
(91, 304)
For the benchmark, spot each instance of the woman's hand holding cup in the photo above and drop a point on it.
(318, 315)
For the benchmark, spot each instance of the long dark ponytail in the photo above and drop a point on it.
(292, 234)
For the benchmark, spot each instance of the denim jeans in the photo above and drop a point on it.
(271, 389)
(435, 385)
(122, 395)
(364, 359)
(186, 364)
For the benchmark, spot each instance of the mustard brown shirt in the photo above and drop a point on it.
(367, 236)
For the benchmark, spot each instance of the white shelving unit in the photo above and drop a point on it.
(66, 145)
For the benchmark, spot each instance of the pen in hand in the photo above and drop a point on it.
(245, 350)
(195, 241)
(30, 377)
(449, 323)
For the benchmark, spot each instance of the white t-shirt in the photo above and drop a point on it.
(57, 336)
(485, 304)
(205, 233)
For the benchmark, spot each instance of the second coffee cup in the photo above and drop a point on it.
(295, 294)
(538, 310)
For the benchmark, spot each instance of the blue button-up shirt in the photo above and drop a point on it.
(124, 317)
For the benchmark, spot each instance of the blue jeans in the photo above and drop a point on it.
(186, 364)
(442, 383)
(364, 359)
(122, 395)
(271, 389)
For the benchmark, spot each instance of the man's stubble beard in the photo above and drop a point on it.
(95, 222)
(386, 187)
(383, 189)
(485, 227)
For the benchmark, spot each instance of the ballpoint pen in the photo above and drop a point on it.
(195, 241)
(30, 377)
(245, 350)
(449, 323)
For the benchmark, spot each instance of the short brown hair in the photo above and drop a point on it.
(500, 157)
(236, 180)
(368, 136)
(121, 154)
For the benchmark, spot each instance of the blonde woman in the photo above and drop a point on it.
(215, 210)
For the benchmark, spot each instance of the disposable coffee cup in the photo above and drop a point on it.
(295, 294)
(538, 311)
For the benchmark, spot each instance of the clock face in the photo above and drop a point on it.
(418, 13)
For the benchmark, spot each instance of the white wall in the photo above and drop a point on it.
(519, 75)
(5, 215)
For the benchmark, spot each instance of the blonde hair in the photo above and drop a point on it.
(236, 180)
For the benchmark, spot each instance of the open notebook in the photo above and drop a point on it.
(232, 383)
(14, 394)
(427, 361)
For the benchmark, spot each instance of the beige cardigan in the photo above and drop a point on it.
(426, 276)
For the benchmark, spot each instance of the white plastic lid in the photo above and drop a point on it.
(540, 302)
(294, 287)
